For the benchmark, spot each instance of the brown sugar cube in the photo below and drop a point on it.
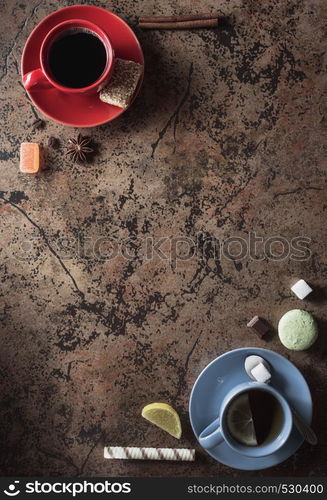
(30, 158)
(259, 326)
(122, 84)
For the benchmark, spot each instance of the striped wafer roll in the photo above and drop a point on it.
(134, 453)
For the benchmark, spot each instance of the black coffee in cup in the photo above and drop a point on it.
(254, 418)
(77, 58)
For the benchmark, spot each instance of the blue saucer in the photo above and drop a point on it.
(225, 372)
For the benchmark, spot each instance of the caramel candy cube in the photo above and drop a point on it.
(30, 157)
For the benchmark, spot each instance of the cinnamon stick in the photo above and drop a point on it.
(180, 25)
(174, 19)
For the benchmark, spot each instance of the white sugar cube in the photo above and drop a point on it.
(301, 289)
(260, 373)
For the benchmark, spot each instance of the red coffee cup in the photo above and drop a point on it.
(42, 77)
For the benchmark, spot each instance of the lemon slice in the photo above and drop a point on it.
(163, 416)
(240, 421)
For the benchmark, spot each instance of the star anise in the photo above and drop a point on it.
(79, 148)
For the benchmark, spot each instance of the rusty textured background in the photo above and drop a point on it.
(226, 138)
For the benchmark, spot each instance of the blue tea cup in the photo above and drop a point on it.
(217, 432)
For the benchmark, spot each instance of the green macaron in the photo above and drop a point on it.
(297, 330)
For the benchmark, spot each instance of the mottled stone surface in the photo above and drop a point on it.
(225, 139)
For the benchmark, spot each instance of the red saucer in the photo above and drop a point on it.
(80, 110)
